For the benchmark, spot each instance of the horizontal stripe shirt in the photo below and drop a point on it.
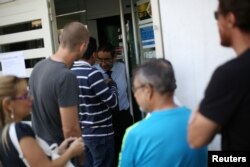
(119, 76)
(95, 101)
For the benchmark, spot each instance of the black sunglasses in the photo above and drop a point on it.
(216, 15)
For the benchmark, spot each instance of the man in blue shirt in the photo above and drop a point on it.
(161, 138)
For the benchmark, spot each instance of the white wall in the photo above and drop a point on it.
(192, 44)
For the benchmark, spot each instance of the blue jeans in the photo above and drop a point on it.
(99, 152)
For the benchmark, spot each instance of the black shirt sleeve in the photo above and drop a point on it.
(24, 130)
(221, 96)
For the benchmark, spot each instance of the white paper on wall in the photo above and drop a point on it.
(13, 64)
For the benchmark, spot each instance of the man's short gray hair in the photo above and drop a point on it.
(73, 33)
(159, 73)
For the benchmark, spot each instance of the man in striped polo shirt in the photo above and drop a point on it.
(95, 99)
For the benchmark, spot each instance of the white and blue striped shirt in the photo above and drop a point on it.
(119, 76)
(95, 99)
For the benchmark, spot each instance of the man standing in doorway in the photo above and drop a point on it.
(55, 88)
(114, 70)
(225, 107)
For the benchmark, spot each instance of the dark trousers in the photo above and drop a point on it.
(121, 121)
(99, 152)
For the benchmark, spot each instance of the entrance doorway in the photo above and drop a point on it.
(103, 21)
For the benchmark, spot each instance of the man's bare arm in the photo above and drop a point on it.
(201, 130)
(70, 121)
(71, 126)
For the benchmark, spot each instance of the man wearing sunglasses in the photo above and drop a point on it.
(225, 107)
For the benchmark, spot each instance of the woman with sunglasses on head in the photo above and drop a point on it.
(15, 104)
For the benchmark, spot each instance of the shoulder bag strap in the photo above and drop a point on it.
(13, 137)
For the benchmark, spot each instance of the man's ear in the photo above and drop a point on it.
(115, 57)
(94, 55)
(84, 46)
(149, 90)
(231, 20)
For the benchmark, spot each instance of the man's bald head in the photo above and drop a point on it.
(73, 34)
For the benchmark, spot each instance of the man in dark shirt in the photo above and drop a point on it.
(112, 69)
(226, 105)
(55, 89)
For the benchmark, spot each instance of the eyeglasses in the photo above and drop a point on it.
(134, 89)
(216, 15)
(24, 97)
(104, 60)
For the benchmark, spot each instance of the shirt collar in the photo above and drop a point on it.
(103, 71)
(82, 62)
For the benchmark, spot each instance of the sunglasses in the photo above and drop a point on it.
(23, 97)
(216, 15)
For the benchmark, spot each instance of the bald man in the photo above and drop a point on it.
(55, 88)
